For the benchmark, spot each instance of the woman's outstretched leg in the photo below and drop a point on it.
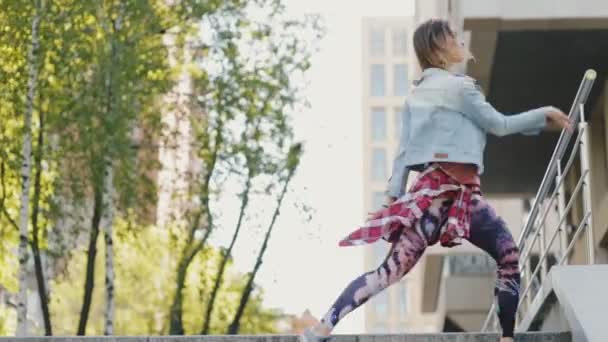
(489, 232)
(403, 256)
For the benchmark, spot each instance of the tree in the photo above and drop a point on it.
(92, 81)
(125, 80)
(26, 168)
(226, 254)
(146, 257)
(262, 88)
(291, 163)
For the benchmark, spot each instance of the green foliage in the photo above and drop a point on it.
(145, 262)
(104, 75)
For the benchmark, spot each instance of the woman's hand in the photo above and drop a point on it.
(557, 120)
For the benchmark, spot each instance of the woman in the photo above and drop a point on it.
(446, 119)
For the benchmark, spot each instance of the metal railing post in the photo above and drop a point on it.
(587, 200)
(542, 233)
(561, 204)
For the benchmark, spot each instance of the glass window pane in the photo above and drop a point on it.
(398, 117)
(377, 80)
(400, 79)
(380, 252)
(402, 299)
(381, 304)
(469, 264)
(379, 164)
(399, 42)
(377, 200)
(377, 42)
(380, 328)
(378, 124)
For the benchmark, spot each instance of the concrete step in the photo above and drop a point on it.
(447, 337)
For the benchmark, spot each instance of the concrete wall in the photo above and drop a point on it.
(522, 9)
(599, 177)
(530, 337)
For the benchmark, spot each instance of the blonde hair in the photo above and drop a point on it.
(430, 40)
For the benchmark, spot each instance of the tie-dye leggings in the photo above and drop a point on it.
(488, 232)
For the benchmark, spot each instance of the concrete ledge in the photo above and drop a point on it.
(447, 337)
(581, 291)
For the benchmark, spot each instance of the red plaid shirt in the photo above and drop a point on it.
(404, 212)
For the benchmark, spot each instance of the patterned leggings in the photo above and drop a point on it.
(488, 232)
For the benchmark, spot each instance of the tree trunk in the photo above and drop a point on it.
(108, 219)
(89, 283)
(175, 315)
(233, 329)
(108, 178)
(226, 257)
(40, 278)
(26, 170)
(176, 326)
(7, 215)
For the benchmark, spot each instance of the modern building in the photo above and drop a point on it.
(528, 54)
(385, 86)
(389, 66)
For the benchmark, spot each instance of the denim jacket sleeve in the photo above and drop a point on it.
(477, 109)
(398, 179)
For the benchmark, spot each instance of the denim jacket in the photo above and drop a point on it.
(446, 119)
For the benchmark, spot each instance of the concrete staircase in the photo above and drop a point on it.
(447, 337)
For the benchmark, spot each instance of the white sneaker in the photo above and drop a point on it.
(309, 336)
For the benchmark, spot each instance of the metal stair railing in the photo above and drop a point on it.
(537, 237)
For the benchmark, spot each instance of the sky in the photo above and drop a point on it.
(304, 268)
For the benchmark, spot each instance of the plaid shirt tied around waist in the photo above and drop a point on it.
(402, 214)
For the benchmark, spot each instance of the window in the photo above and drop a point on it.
(398, 117)
(378, 124)
(402, 329)
(379, 164)
(402, 299)
(377, 81)
(399, 42)
(380, 252)
(380, 328)
(377, 200)
(400, 79)
(381, 304)
(377, 42)
(470, 264)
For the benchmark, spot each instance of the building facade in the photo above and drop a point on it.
(385, 86)
(527, 55)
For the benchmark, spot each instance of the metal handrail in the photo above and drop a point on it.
(581, 97)
(554, 175)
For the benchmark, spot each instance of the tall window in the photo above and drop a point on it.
(400, 79)
(398, 120)
(399, 42)
(377, 80)
(378, 164)
(378, 124)
(377, 200)
(377, 42)
(380, 328)
(402, 299)
(380, 252)
(381, 304)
